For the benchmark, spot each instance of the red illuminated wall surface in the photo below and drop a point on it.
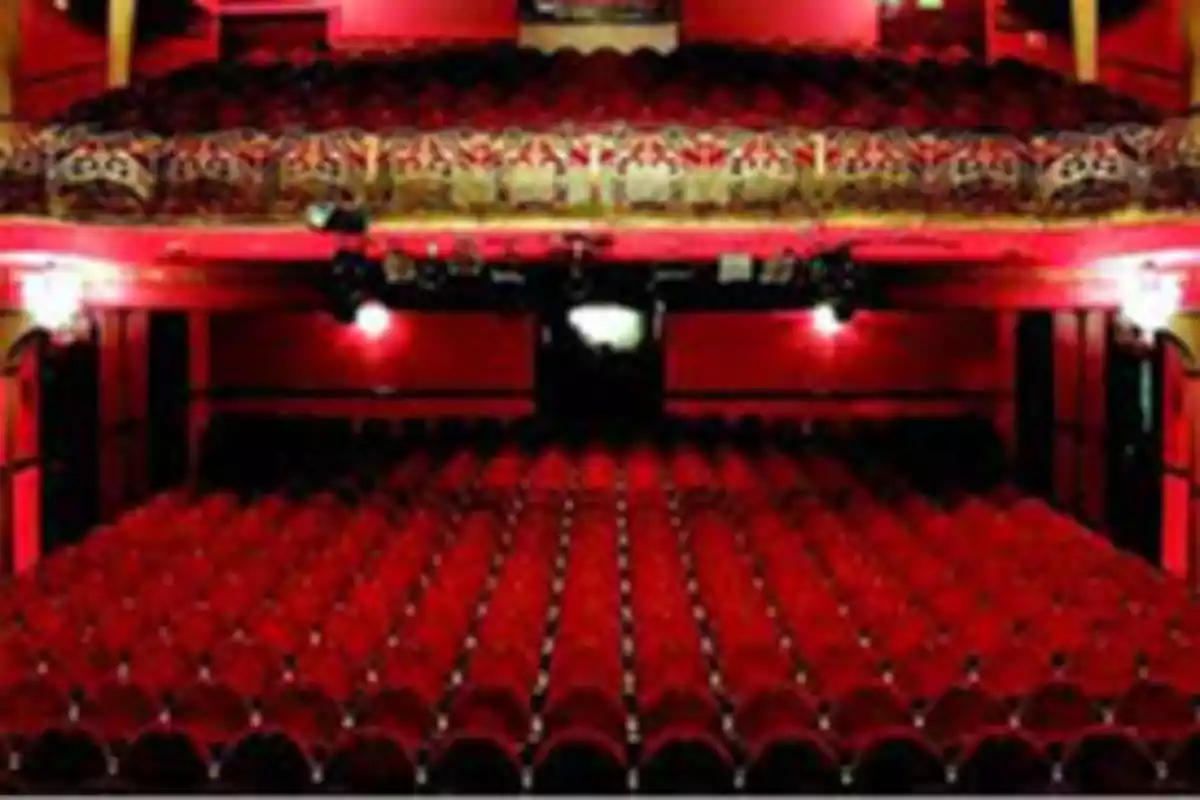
(60, 62)
(852, 23)
(427, 364)
(1145, 56)
(884, 363)
(381, 21)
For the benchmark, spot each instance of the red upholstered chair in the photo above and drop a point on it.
(900, 761)
(1056, 711)
(213, 714)
(306, 713)
(1109, 760)
(1003, 761)
(165, 759)
(369, 761)
(62, 759)
(119, 711)
(580, 760)
(267, 761)
(1159, 713)
(958, 714)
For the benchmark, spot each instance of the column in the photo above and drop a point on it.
(1085, 38)
(20, 446)
(199, 382)
(123, 398)
(122, 24)
(1068, 379)
(1191, 13)
(10, 40)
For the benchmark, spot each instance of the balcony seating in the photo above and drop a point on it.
(557, 619)
(507, 131)
(699, 86)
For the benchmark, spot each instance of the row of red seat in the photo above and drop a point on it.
(490, 89)
(589, 614)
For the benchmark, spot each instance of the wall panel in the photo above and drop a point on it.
(309, 363)
(883, 363)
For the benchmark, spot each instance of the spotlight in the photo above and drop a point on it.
(373, 318)
(827, 320)
(332, 218)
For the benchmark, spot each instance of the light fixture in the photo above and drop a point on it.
(373, 319)
(826, 320)
(333, 218)
(1149, 298)
(53, 298)
(608, 325)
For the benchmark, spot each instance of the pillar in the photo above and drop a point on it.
(122, 24)
(1081, 414)
(20, 446)
(9, 50)
(199, 383)
(1085, 39)
(1191, 19)
(124, 410)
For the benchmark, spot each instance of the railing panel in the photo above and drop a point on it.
(604, 170)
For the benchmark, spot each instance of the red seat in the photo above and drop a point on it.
(1108, 761)
(118, 712)
(211, 713)
(1004, 761)
(162, 759)
(305, 712)
(898, 762)
(370, 762)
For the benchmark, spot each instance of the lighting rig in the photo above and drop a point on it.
(576, 274)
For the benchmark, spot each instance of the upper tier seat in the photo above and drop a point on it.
(700, 86)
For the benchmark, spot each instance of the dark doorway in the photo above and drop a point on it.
(70, 430)
(168, 399)
(1035, 402)
(1135, 447)
(584, 381)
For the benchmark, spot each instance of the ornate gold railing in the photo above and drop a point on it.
(605, 171)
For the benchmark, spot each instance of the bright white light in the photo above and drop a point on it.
(373, 319)
(825, 320)
(318, 215)
(608, 325)
(1149, 299)
(53, 298)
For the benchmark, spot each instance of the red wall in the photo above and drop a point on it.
(428, 364)
(852, 23)
(381, 21)
(1145, 56)
(883, 363)
(60, 62)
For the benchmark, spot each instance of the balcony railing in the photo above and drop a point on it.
(249, 175)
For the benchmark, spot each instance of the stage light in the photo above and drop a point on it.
(1149, 299)
(53, 298)
(827, 320)
(617, 327)
(332, 218)
(373, 319)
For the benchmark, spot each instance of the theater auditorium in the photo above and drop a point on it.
(599, 396)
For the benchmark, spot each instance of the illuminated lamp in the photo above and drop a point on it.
(608, 325)
(332, 218)
(826, 319)
(53, 298)
(373, 319)
(1149, 298)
